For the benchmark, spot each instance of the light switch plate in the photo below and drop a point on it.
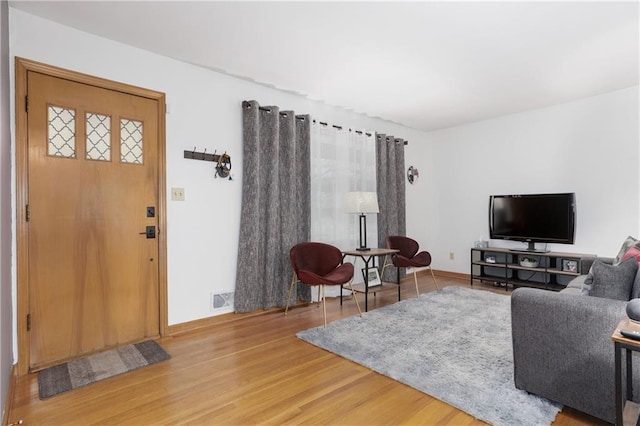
(177, 194)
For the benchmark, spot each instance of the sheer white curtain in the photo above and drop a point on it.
(342, 160)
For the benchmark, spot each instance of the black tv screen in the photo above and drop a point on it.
(532, 218)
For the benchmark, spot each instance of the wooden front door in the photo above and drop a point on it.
(91, 218)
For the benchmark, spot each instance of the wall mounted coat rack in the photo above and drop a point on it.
(194, 155)
(223, 161)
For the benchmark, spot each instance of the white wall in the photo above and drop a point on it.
(6, 317)
(589, 147)
(205, 112)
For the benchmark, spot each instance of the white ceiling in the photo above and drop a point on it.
(427, 65)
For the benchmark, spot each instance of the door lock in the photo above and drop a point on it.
(150, 232)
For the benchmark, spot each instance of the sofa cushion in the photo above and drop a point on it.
(626, 245)
(634, 251)
(587, 279)
(611, 281)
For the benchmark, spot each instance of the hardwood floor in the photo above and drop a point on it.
(253, 370)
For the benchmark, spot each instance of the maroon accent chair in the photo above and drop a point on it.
(320, 264)
(408, 256)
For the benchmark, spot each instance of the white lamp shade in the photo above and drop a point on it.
(362, 202)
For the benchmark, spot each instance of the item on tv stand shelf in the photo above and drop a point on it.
(569, 265)
(481, 244)
(529, 262)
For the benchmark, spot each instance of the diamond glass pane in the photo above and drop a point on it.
(98, 137)
(61, 132)
(130, 141)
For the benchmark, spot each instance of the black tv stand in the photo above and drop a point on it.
(549, 270)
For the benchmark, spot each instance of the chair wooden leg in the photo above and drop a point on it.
(324, 306)
(319, 296)
(384, 266)
(434, 278)
(294, 280)
(415, 278)
(355, 296)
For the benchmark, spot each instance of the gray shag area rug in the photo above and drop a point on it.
(90, 369)
(454, 345)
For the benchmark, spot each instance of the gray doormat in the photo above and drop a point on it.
(81, 372)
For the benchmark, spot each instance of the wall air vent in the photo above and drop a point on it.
(221, 300)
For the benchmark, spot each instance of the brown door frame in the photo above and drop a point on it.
(22, 66)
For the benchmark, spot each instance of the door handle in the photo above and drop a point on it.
(150, 232)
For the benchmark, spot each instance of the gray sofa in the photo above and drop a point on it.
(562, 346)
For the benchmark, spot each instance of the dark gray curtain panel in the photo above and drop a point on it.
(391, 196)
(276, 205)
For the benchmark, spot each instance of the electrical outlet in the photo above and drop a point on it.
(451, 255)
(177, 194)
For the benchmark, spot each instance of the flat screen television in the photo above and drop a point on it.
(533, 218)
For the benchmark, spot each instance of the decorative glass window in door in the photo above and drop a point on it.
(61, 132)
(130, 141)
(98, 137)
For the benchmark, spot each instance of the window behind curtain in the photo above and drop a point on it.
(341, 161)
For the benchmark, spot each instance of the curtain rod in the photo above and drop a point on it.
(302, 117)
(357, 131)
(360, 132)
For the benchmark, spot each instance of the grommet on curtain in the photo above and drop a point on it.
(247, 105)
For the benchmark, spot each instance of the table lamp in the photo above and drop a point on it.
(362, 203)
